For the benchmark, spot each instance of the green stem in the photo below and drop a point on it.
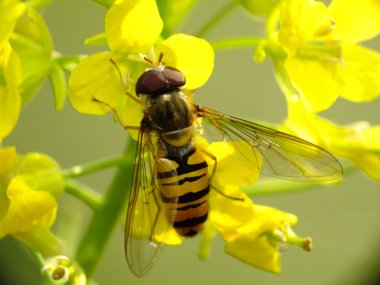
(67, 62)
(107, 215)
(216, 19)
(236, 43)
(284, 81)
(84, 193)
(275, 186)
(91, 167)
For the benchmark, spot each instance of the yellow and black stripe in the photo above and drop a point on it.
(184, 181)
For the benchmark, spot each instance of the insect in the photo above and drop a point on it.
(171, 175)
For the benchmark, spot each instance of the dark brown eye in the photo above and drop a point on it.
(174, 77)
(151, 82)
(155, 82)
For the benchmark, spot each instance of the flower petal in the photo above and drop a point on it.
(95, 77)
(10, 11)
(8, 158)
(27, 208)
(191, 55)
(359, 77)
(41, 172)
(300, 21)
(33, 44)
(133, 25)
(319, 87)
(227, 214)
(357, 142)
(233, 166)
(10, 100)
(131, 114)
(355, 20)
(255, 251)
(244, 226)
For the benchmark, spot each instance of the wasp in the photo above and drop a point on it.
(171, 176)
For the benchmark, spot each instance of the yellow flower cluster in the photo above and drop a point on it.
(30, 186)
(322, 43)
(251, 232)
(10, 71)
(25, 43)
(318, 58)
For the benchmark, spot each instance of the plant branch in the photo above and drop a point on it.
(91, 167)
(276, 186)
(236, 43)
(83, 193)
(216, 19)
(107, 215)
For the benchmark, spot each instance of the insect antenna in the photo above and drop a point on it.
(158, 63)
(148, 60)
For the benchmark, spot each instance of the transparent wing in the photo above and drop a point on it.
(283, 156)
(145, 219)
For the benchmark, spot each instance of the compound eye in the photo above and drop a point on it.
(151, 82)
(174, 77)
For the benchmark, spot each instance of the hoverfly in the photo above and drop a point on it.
(170, 169)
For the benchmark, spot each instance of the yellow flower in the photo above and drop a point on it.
(10, 73)
(132, 28)
(30, 187)
(61, 270)
(323, 58)
(25, 44)
(357, 142)
(251, 233)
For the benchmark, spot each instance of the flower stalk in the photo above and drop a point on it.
(81, 170)
(236, 43)
(107, 215)
(217, 18)
(83, 193)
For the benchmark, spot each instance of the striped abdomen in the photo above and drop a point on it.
(184, 186)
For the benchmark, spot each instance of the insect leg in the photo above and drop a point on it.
(116, 114)
(225, 195)
(213, 173)
(211, 157)
(123, 83)
(155, 222)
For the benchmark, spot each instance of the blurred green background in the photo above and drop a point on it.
(343, 220)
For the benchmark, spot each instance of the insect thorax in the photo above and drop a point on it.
(171, 116)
